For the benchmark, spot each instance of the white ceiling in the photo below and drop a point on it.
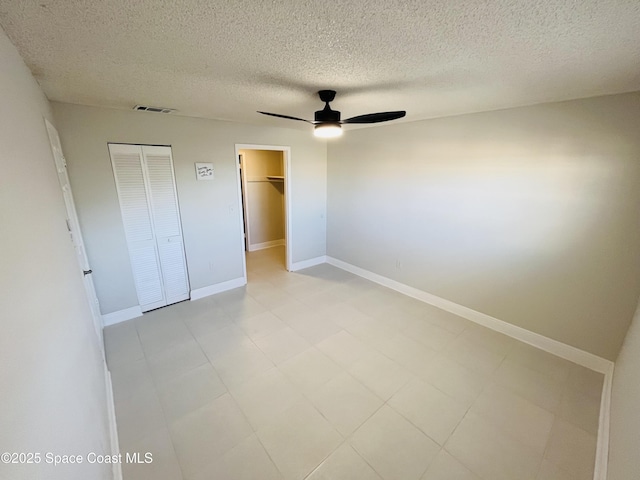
(227, 59)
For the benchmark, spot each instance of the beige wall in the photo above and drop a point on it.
(51, 371)
(528, 214)
(211, 215)
(264, 199)
(624, 462)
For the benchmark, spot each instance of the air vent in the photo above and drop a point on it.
(145, 108)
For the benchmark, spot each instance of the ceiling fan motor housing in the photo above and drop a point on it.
(327, 115)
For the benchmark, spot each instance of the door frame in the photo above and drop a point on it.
(286, 162)
(73, 225)
(243, 194)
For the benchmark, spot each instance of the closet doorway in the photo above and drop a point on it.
(264, 192)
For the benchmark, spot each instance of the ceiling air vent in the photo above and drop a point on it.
(145, 108)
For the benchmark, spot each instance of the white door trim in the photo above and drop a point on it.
(286, 161)
(73, 224)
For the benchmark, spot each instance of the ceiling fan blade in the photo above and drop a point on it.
(376, 117)
(285, 116)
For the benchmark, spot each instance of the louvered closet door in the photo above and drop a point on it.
(166, 222)
(148, 202)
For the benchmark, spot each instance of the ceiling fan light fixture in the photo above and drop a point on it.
(327, 130)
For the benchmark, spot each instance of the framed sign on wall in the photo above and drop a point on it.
(204, 171)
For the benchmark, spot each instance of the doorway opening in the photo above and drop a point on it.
(264, 186)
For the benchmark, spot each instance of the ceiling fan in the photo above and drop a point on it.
(327, 121)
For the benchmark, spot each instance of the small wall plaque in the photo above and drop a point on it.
(204, 171)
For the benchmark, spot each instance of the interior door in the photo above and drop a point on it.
(166, 221)
(74, 228)
(145, 182)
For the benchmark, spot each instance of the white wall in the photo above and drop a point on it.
(624, 442)
(211, 216)
(51, 371)
(528, 214)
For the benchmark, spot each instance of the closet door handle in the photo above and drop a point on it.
(87, 272)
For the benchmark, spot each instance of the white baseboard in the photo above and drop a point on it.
(121, 315)
(547, 344)
(602, 447)
(573, 354)
(217, 288)
(113, 425)
(312, 262)
(263, 245)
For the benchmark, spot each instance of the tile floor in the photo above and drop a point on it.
(323, 375)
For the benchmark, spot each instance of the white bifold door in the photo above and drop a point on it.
(149, 204)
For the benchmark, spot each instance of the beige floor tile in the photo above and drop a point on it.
(347, 316)
(516, 416)
(343, 348)
(246, 461)
(244, 308)
(292, 310)
(445, 467)
(282, 345)
(323, 299)
(581, 410)
(314, 327)
(277, 298)
(541, 389)
(380, 374)
(549, 471)
(190, 391)
(298, 440)
(455, 380)
(489, 339)
(449, 321)
(395, 448)
(164, 335)
(261, 325)
(491, 454)
(572, 449)
(428, 408)
(430, 335)
(344, 464)
(128, 378)
(540, 361)
(164, 463)
(140, 415)
(265, 396)
(409, 353)
(208, 433)
(241, 364)
(173, 362)
(345, 402)
(206, 324)
(225, 341)
(585, 381)
(122, 344)
(303, 400)
(473, 356)
(373, 333)
(310, 369)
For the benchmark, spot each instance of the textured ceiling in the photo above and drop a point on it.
(227, 59)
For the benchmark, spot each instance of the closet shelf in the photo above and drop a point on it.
(267, 178)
